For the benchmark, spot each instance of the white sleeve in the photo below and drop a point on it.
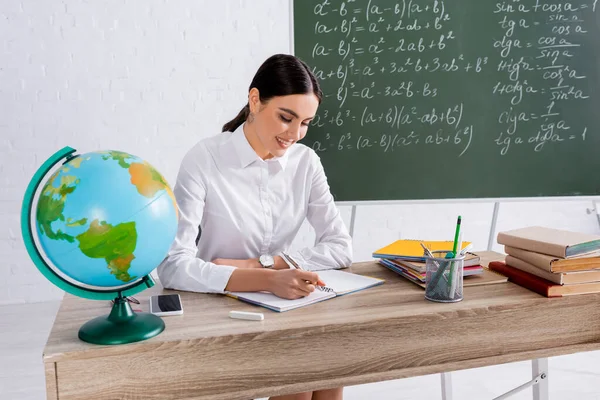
(333, 247)
(181, 269)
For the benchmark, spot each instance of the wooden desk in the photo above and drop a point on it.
(382, 333)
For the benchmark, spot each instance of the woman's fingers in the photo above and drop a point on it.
(310, 288)
(304, 289)
(313, 277)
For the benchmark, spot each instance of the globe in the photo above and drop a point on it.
(104, 220)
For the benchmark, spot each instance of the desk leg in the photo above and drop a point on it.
(539, 381)
(51, 381)
(446, 385)
(540, 366)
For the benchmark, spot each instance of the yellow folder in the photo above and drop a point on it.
(412, 247)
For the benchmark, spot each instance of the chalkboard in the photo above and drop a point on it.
(433, 99)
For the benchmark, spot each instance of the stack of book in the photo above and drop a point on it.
(406, 258)
(551, 262)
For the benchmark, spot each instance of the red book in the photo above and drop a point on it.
(540, 285)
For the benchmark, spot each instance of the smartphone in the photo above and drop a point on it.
(166, 304)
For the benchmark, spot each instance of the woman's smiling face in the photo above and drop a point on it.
(280, 122)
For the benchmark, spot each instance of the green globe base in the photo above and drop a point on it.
(121, 326)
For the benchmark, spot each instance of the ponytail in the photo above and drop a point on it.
(238, 120)
(279, 75)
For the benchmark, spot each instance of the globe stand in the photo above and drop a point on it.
(121, 326)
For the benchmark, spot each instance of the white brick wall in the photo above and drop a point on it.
(152, 77)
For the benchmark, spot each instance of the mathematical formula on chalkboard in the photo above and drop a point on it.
(388, 67)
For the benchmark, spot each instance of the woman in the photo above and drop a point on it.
(244, 194)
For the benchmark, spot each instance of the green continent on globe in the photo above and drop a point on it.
(72, 224)
(52, 204)
(119, 156)
(114, 243)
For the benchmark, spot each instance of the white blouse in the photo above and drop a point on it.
(245, 207)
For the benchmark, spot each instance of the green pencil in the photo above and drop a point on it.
(454, 249)
(454, 254)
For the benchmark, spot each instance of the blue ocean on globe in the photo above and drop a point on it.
(106, 218)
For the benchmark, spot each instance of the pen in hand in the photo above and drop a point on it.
(293, 263)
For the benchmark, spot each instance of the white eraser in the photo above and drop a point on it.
(254, 316)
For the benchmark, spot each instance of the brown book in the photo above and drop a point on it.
(540, 285)
(560, 278)
(554, 242)
(548, 263)
(471, 259)
(487, 277)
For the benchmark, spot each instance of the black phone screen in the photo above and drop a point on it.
(166, 302)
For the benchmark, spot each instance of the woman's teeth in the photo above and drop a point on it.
(284, 143)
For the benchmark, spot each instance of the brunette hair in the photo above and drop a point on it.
(279, 75)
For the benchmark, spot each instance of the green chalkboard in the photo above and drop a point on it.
(433, 99)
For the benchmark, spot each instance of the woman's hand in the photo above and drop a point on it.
(249, 263)
(292, 283)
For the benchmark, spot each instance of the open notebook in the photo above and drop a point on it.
(340, 282)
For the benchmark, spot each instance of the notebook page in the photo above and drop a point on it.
(343, 282)
(276, 303)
